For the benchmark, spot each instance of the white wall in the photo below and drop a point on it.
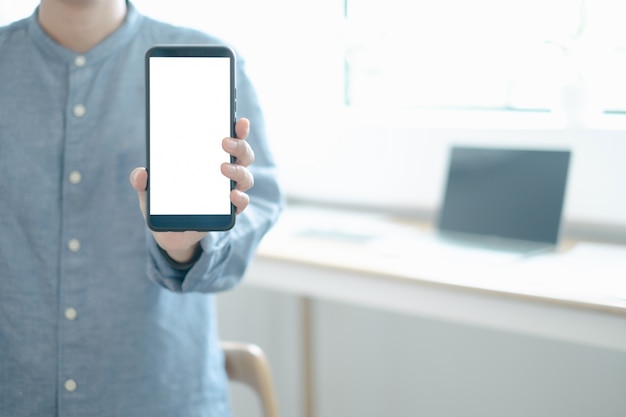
(403, 167)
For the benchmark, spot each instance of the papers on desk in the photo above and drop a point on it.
(341, 225)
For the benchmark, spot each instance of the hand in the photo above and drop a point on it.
(181, 246)
(238, 172)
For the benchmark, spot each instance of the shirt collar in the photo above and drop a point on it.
(106, 47)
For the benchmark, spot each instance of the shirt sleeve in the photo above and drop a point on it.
(225, 256)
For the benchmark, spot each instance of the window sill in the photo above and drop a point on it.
(477, 119)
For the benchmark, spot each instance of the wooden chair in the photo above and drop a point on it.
(246, 363)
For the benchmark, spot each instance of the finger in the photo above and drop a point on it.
(240, 149)
(139, 181)
(241, 175)
(242, 128)
(240, 200)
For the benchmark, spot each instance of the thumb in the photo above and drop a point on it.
(139, 181)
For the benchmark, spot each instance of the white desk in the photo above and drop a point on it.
(578, 295)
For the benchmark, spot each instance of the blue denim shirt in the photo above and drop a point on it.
(94, 321)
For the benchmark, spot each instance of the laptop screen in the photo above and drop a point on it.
(511, 193)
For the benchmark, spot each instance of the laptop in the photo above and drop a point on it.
(503, 199)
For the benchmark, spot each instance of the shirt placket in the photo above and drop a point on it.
(74, 234)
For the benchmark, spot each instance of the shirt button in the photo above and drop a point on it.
(80, 61)
(70, 313)
(75, 177)
(73, 245)
(70, 385)
(79, 110)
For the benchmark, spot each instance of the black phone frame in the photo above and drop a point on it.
(200, 222)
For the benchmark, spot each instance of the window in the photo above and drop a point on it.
(484, 54)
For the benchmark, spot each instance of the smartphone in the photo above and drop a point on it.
(190, 109)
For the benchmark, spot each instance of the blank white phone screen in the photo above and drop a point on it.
(189, 117)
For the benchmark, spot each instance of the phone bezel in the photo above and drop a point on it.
(200, 222)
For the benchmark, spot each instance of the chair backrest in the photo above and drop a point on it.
(246, 363)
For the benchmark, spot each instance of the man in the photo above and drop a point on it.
(98, 315)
